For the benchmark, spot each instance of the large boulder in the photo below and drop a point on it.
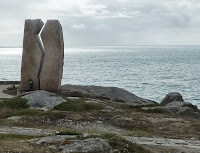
(43, 99)
(32, 52)
(170, 97)
(93, 145)
(111, 93)
(52, 69)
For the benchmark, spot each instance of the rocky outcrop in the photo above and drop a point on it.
(93, 145)
(170, 97)
(174, 107)
(177, 108)
(31, 54)
(51, 73)
(66, 144)
(111, 93)
(42, 99)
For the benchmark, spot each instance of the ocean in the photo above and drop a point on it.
(150, 72)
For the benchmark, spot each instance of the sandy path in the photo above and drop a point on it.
(3, 95)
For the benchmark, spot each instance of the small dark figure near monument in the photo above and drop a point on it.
(30, 85)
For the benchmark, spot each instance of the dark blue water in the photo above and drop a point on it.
(147, 71)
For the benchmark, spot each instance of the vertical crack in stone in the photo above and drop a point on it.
(31, 56)
(52, 38)
(41, 46)
(43, 54)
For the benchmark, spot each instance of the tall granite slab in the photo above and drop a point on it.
(52, 69)
(32, 52)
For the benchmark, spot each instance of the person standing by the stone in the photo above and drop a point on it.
(30, 85)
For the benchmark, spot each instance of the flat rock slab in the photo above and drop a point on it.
(165, 142)
(26, 131)
(51, 139)
(111, 93)
(93, 145)
(43, 99)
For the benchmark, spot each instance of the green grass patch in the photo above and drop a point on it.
(51, 114)
(54, 115)
(14, 103)
(28, 112)
(120, 143)
(138, 107)
(78, 105)
(16, 137)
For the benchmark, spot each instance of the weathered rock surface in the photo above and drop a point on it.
(43, 99)
(111, 93)
(93, 145)
(195, 144)
(31, 57)
(14, 118)
(187, 111)
(170, 97)
(52, 69)
(26, 131)
(49, 140)
(184, 109)
(60, 142)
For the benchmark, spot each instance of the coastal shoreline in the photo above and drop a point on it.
(10, 82)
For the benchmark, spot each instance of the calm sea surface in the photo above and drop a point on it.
(147, 71)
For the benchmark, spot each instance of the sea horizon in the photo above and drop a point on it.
(150, 72)
(99, 45)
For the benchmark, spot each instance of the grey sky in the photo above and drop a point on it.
(107, 22)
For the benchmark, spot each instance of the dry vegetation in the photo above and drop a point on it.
(84, 117)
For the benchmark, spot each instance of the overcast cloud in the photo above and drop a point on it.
(107, 22)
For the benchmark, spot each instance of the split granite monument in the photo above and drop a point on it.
(42, 59)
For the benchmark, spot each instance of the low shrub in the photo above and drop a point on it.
(6, 112)
(51, 114)
(78, 105)
(14, 103)
(69, 132)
